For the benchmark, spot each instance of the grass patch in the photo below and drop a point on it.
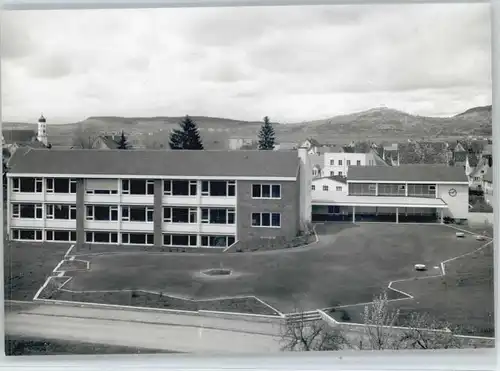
(151, 300)
(27, 266)
(20, 346)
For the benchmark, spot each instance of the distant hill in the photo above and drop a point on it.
(375, 124)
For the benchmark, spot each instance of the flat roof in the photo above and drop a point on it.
(380, 201)
(110, 162)
(410, 173)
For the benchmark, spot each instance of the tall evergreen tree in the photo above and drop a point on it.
(176, 139)
(123, 143)
(266, 135)
(187, 137)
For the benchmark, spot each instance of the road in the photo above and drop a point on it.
(152, 330)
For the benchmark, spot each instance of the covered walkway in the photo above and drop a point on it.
(379, 208)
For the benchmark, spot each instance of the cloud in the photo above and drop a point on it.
(291, 63)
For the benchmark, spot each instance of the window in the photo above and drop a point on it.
(333, 209)
(217, 216)
(137, 213)
(332, 173)
(180, 215)
(217, 241)
(348, 162)
(362, 189)
(340, 162)
(101, 237)
(390, 189)
(340, 173)
(180, 187)
(315, 172)
(101, 186)
(29, 211)
(338, 188)
(266, 220)
(27, 185)
(180, 240)
(325, 188)
(358, 162)
(138, 187)
(102, 212)
(138, 238)
(421, 190)
(60, 185)
(266, 191)
(313, 187)
(27, 235)
(65, 236)
(61, 211)
(332, 162)
(218, 188)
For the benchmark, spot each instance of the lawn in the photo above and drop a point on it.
(351, 264)
(20, 346)
(27, 266)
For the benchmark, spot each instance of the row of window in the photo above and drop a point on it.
(52, 211)
(326, 188)
(144, 187)
(37, 235)
(388, 189)
(348, 162)
(187, 240)
(143, 214)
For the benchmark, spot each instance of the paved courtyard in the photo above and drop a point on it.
(349, 265)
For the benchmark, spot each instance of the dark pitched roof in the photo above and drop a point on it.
(340, 179)
(109, 141)
(156, 162)
(473, 160)
(411, 173)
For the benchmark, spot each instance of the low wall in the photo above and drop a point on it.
(356, 333)
(479, 218)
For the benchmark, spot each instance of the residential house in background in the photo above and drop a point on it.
(337, 163)
(106, 142)
(241, 143)
(187, 199)
(488, 186)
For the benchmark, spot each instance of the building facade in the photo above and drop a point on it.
(403, 193)
(338, 163)
(155, 198)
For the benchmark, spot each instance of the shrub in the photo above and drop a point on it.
(345, 316)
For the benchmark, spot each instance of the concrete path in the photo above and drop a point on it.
(174, 332)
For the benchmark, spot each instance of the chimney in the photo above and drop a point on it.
(305, 183)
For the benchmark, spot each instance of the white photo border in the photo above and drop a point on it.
(478, 359)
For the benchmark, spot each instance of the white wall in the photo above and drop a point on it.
(458, 206)
(305, 176)
(318, 192)
(344, 157)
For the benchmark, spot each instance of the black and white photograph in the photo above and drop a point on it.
(247, 180)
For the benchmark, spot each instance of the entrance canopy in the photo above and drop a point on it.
(381, 201)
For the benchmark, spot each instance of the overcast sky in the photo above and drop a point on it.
(292, 63)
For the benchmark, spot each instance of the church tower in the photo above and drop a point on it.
(42, 130)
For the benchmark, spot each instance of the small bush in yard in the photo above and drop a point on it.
(345, 316)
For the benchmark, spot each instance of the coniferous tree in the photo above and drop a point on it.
(176, 139)
(266, 135)
(187, 137)
(122, 143)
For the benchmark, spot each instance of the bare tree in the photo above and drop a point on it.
(379, 320)
(303, 335)
(425, 332)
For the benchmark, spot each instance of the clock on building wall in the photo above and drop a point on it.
(452, 192)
